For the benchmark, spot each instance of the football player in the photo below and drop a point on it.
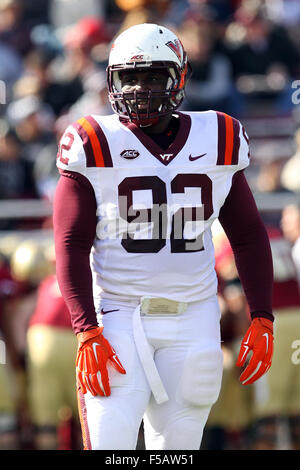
(138, 193)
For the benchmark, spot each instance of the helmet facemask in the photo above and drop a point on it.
(140, 107)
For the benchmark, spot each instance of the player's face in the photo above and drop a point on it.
(135, 81)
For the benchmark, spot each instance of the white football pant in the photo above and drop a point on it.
(186, 349)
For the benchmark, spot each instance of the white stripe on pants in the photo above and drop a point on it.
(187, 353)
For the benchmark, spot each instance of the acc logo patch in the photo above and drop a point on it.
(129, 154)
(137, 58)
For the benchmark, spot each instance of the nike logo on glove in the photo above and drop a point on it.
(109, 311)
(267, 339)
(196, 158)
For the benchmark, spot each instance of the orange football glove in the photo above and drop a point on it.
(259, 339)
(91, 363)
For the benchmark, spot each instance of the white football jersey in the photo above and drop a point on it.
(155, 207)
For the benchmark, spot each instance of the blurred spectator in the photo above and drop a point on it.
(10, 70)
(16, 178)
(142, 11)
(50, 345)
(210, 85)
(290, 225)
(73, 85)
(218, 10)
(94, 99)
(290, 175)
(28, 265)
(228, 425)
(85, 43)
(8, 412)
(86, 33)
(274, 397)
(36, 12)
(85, 54)
(287, 14)
(63, 13)
(51, 355)
(45, 170)
(33, 121)
(13, 30)
(263, 58)
(230, 420)
(44, 37)
(41, 81)
(268, 178)
(277, 396)
(13, 387)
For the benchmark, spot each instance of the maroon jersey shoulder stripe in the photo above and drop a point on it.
(89, 154)
(221, 138)
(102, 140)
(236, 142)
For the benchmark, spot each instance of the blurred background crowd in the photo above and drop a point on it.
(245, 56)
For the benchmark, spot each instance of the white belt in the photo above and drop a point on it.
(153, 307)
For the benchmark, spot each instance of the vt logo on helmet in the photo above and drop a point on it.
(140, 50)
(176, 47)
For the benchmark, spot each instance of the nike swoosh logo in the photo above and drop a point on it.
(108, 311)
(196, 158)
(94, 346)
(267, 339)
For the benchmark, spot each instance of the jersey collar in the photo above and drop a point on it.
(165, 156)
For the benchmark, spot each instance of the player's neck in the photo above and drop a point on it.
(158, 128)
(166, 134)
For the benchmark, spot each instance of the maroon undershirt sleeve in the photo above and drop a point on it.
(74, 220)
(248, 237)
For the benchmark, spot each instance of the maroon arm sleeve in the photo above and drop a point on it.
(248, 237)
(74, 220)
